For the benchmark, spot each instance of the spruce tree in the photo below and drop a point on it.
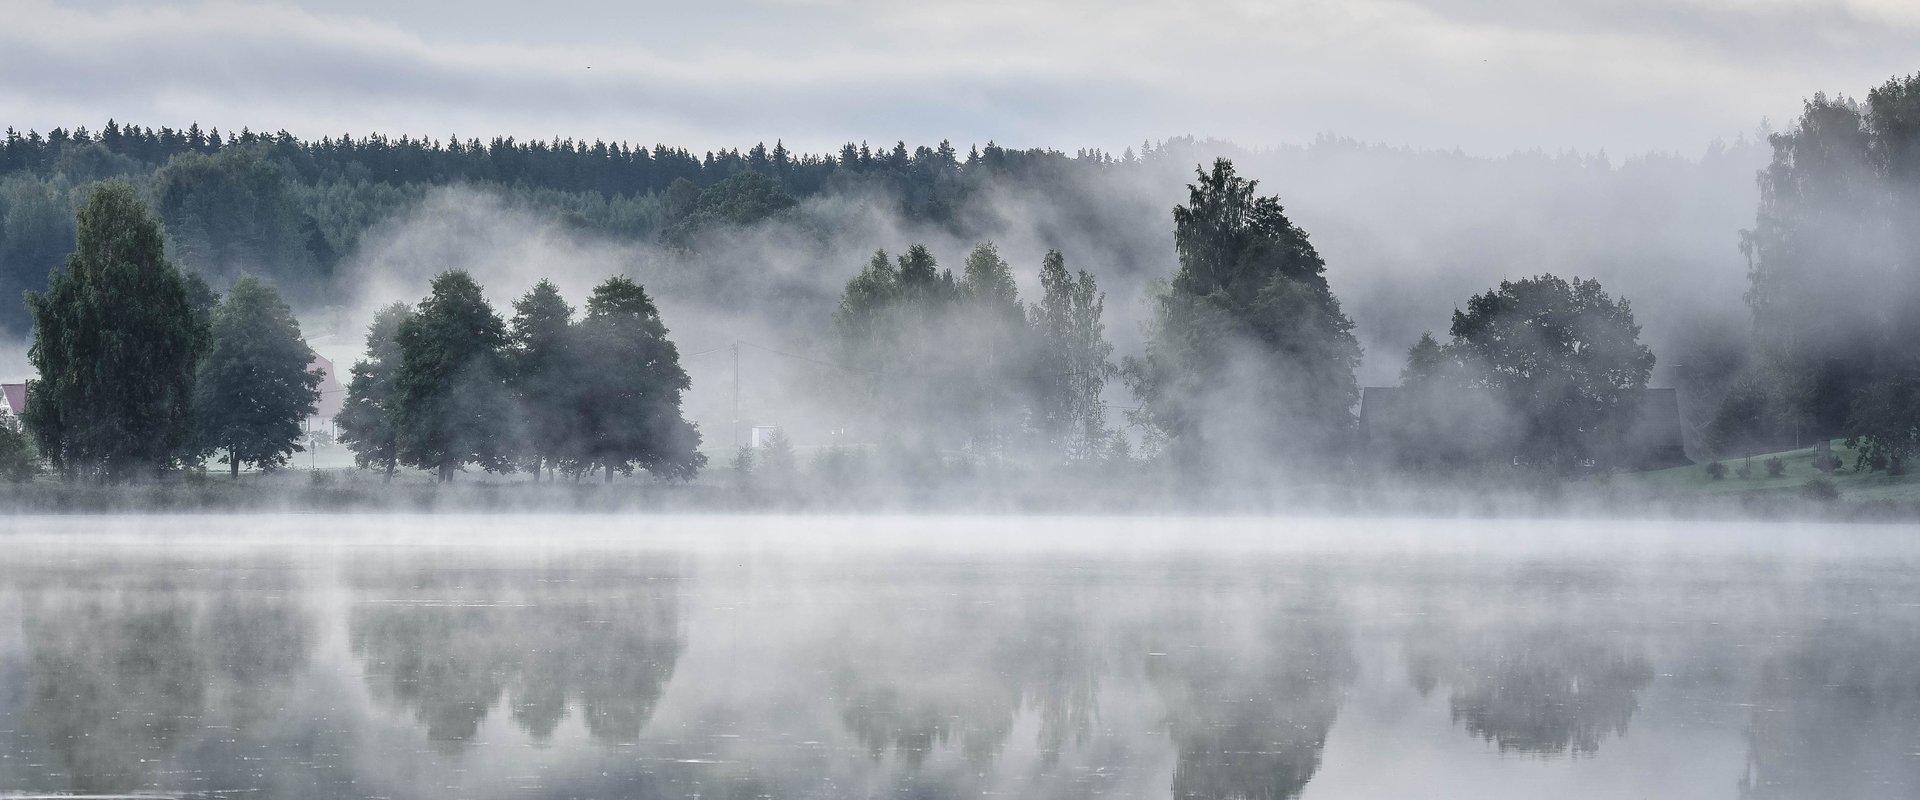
(367, 418)
(116, 343)
(453, 405)
(254, 389)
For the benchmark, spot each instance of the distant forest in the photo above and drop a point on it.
(1776, 280)
(289, 209)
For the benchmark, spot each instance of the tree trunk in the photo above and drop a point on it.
(233, 462)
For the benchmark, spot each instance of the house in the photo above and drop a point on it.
(1473, 425)
(15, 405)
(333, 397)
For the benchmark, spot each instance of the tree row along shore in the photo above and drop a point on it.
(936, 380)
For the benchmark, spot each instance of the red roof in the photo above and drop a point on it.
(16, 396)
(332, 394)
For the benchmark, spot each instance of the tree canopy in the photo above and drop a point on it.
(116, 342)
(629, 384)
(452, 403)
(1563, 356)
(1249, 352)
(368, 418)
(254, 388)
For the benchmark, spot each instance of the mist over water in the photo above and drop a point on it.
(531, 656)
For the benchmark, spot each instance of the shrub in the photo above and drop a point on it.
(1826, 463)
(18, 462)
(1820, 489)
(1776, 467)
(1745, 470)
(1717, 471)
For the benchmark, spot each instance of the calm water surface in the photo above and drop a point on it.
(899, 657)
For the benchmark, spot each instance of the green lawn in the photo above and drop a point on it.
(1799, 469)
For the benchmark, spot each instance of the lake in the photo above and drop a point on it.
(298, 656)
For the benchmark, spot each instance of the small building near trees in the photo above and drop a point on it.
(332, 397)
(15, 405)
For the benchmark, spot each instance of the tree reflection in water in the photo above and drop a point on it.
(451, 644)
(122, 668)
(1250, 694)
(961, 666)
(1072, 677)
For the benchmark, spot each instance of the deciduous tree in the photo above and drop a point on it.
(368, 417)
(116, 343)
(453, 404)
(254, 389)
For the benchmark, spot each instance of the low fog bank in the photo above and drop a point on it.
(1010, 493)
(1407, 235)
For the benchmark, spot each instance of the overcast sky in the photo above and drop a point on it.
(1485, 75)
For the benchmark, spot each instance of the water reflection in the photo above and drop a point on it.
(119, 671)
(1544, 690)
(1838, 715)
(319, 675)
(1249, 698)
(451, 645)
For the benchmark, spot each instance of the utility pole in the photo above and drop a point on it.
(736, 394)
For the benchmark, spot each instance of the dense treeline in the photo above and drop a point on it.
(291, 209)
(946, 364)
(449, 383)
(1834, 286)
(143, 370)
(1247, 368)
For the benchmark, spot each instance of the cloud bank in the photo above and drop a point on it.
(1488, 77)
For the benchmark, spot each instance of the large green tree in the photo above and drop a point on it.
(1562, 357)
(543, 375)
(452, 401)
(254, 389)
(630, 384)
(368, 418)
(116, 343)
(1249, 354)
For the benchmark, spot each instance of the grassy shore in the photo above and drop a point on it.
(1680, 493)
(1853, 487)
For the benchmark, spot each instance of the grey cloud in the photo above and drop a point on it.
(1434, 73)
